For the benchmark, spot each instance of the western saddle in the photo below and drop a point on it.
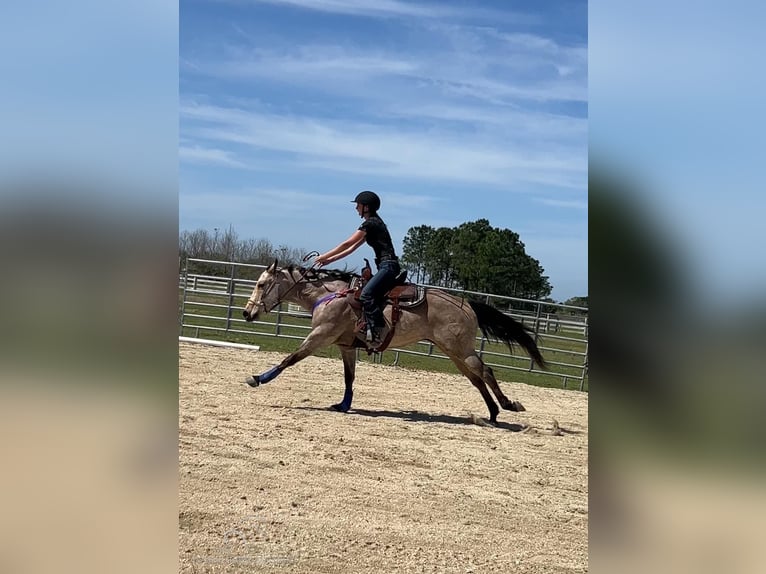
(402, 295)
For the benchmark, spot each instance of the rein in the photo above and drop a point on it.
(300, 279)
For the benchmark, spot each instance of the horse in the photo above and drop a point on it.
(447, 321)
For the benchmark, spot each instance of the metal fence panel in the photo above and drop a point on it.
(213, 294)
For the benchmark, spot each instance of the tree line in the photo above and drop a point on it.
(226, 245)
(476, 257)
(473, 256)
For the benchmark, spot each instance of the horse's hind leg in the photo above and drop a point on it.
(478, 382)
(489, 377)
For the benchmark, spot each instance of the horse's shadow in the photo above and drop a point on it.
(418, 417)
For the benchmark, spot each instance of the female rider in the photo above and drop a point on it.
(374, 231)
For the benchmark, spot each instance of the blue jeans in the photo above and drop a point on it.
(373, 293)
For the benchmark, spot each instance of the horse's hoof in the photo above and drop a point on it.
(517, 406)
(340, 407)
(252, 381)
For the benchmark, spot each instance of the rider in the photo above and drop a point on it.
(374, 231)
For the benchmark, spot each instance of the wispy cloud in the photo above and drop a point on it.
(359, 147)
(210, 156)
(494, 67)
(575, 204)
(392, 8)
(513, 121)
(305, 64)
(450, 110)
(367, 7)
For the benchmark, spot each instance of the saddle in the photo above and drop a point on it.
(401, 295)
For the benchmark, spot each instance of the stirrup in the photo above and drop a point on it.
(373, 338)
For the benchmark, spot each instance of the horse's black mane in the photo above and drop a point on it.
(324, 274)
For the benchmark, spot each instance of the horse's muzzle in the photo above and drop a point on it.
(251, 310)
(250, 316)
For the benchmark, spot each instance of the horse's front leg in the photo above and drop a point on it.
(315, 340)
(349, 370)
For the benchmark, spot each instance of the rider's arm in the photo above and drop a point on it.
(342, 250)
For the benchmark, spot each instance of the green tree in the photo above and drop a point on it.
(471, 249)
(439, 259)
(477, 257)
(414, 251)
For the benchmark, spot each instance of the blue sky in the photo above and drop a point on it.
(450, 111)
(680, 112)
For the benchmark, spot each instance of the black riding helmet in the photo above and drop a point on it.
(368, 198)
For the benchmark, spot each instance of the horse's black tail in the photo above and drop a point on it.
(499, 326)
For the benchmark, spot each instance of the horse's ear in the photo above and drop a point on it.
(273, 267)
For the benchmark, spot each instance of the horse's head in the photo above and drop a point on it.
(265, 296)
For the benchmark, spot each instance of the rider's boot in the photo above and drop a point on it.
(373, 337)
(375, 331)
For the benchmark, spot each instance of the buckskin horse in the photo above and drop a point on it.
(413, 315)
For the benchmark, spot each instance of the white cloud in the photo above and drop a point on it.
(394, 8)
(451, 103)
(570, 204)
(356, 147)
(365, 7)
(525, 124)
(210, 156)
(492, 73)
(305, 64)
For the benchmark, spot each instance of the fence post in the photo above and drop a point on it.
(481, 347)
(278, 322)
(183, 297)
(537, 319)
(231, 297)
(585, 358)
(483, 340)
(536, 331)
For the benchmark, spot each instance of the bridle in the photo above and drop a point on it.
(279, 299)
(260, 303)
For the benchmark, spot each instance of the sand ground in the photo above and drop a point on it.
(270, 480)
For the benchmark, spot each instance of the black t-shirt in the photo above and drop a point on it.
(378, 238)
